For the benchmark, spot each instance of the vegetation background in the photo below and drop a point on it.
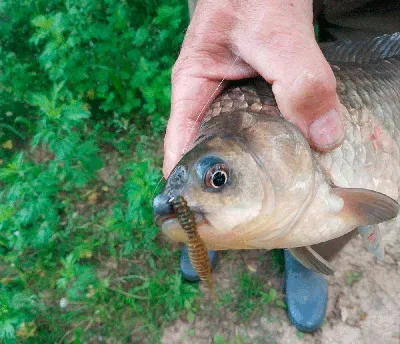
(84, 101)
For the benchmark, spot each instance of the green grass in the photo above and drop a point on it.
(84, 96)
(250, 288)
(353, 277)
(84, 101)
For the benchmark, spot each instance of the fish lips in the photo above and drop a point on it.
(160, 219)
(164, 211)
(173, 229)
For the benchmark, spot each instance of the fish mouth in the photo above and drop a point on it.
(171, 227)
(166, 218)
(213, 240)
(160, 219)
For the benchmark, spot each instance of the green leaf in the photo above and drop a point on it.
(281, 304)
(75, 113)
(42, 22)
(190, 317)
(62, 283)
(7, 330)
(272, 294)
(78, 333)
(141, 36)
(218, 339)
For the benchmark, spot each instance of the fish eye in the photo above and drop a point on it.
(217, 176)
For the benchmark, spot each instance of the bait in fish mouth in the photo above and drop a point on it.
(253, 182)
(196, 248)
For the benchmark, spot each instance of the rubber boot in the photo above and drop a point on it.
(306, 295)
(187, 270)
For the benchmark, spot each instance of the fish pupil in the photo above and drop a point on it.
(219, 179)
(216, 177)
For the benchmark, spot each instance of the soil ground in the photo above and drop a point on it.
(364, 302)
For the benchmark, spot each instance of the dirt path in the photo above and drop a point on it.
(364, 303)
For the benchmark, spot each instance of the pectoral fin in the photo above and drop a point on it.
(366, 207)
(371, 236)
(312, 260)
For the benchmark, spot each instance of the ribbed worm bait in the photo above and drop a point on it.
(196, 247)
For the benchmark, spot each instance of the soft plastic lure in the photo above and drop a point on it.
(196, 247)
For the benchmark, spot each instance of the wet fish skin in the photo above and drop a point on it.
(288, 201)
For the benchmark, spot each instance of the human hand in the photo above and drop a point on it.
(273, 38)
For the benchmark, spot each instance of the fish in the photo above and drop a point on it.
(252, 180)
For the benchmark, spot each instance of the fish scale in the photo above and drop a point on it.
(379, 163)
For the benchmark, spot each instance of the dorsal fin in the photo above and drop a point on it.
(363, 52)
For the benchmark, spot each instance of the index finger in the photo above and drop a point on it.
(190, 99)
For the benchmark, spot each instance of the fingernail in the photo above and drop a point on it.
(327, 131)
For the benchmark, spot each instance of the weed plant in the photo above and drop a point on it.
(84, 99)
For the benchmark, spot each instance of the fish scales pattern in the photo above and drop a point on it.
(369, 157)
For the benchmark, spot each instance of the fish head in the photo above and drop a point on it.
(244, 183)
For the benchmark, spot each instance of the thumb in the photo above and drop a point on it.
(307, 97)
(302, 80)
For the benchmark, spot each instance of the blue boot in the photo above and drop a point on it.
(306, 295)
(187, 270)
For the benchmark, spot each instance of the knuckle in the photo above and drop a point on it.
(323, 82)
(189, 65)
(316, 84)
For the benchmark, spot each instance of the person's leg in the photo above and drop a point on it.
(306, 295)
(306, 290)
